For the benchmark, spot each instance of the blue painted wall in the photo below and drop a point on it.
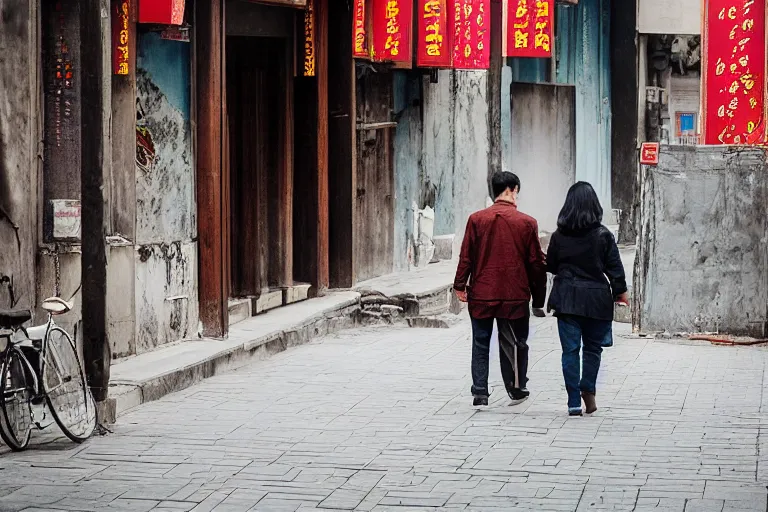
(582, 59)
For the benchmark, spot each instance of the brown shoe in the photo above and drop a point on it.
(589, 402)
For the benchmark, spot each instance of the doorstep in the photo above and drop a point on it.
(152, 375)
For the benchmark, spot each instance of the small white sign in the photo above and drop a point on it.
(66, 219)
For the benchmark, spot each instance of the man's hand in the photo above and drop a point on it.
(539, 313)
(462, 296)
(623, 299)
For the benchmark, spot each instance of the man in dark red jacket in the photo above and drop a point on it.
(501, 268)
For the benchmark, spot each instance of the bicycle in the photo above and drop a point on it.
(41, 372)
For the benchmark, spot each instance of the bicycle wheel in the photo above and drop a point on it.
(69, 397)
(16, 406)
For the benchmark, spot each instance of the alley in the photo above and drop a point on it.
(379, 419)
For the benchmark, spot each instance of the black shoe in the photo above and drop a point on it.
(480, 401)
(575, 411)
(518, 396)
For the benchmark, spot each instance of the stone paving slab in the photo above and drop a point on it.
(379, 419)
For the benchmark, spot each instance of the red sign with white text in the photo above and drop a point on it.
(391, 22)
(529, 28)
(734, 75)
(434, 19)
(471, 34)
(359, 31)
(649, 153)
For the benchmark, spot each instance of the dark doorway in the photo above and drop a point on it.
(257, 108)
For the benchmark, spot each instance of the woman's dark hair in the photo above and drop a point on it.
(502, 181)
(581, 210)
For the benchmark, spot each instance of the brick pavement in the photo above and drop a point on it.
(379, 419)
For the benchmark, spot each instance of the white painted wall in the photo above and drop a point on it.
(669, 17)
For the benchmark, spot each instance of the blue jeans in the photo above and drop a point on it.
(513, 353)
(581, 375)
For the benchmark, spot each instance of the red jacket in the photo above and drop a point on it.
(501, 264)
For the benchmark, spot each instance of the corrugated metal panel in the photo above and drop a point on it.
(582, 55)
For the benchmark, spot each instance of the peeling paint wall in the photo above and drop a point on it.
(166, 227)
(701, 262)
(441, 154)
(18, 153)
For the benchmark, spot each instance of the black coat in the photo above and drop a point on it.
(588, 272)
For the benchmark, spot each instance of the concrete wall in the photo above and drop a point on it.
(542, 128)
(441, 154)
(669, 16)
(701, 263)
(18, 152)
(166, 225)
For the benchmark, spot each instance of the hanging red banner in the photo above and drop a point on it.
(359, 33)
(434, 19)
(161, 12)
(529, 28)
(734, 72)
(121, 37)
(391, 22)
(471, 34)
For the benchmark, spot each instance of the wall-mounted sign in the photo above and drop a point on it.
(734, 72)
(175, 34)
(471, 34)
(434, 19)
(649, 153)
(121, 16)
(309, 39)
(391, 22)
(529, 28)
(359, 31)
(161, 12)
(66, 219)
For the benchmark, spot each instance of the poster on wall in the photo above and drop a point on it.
(434, 21)
(528, 27)
(471, 34)
(734, 72)
(391, 22)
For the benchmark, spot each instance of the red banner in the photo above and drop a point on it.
(391, 21)
(529, 28)
(734, 74)
(359, 34)
(309, 39)
(472, 29)
(434, 19)
(121, 37)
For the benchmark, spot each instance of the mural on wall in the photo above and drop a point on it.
(165, 187)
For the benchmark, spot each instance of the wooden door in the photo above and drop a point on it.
(256, 71)
(374, 201)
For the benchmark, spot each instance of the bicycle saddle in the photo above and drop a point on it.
(14, 318)
(56, 306)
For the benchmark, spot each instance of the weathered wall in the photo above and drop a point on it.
(441, 154)
(701, 263)
(166, 253)
(18, 152)
(542, 126)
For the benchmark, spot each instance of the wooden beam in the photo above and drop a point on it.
(212, 287)
(284, 242)
(322, 278)
(94, 165)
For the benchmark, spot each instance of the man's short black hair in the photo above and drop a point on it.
(502, 181)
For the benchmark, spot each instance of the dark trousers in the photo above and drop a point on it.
(513, 353)
(588, 337)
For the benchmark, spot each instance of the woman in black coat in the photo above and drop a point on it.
(589, 278)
